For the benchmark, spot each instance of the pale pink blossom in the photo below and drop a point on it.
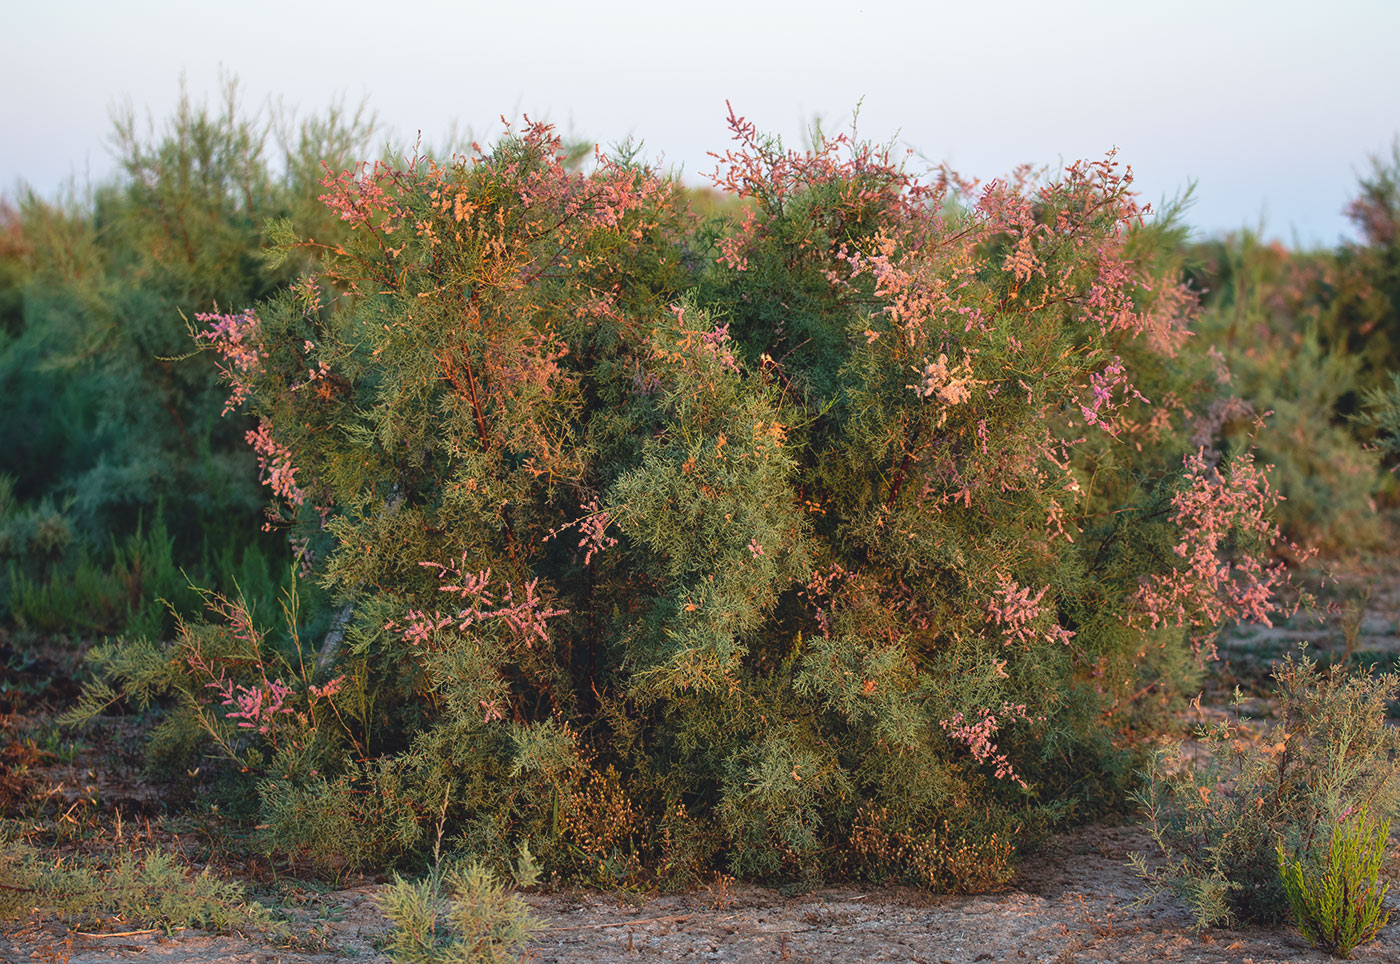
(275, 468)
(978, 736)
(235, 338)
(1211, 587)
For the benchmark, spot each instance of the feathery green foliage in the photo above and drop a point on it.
(834, 532)
(1382, 414)
(485, 923)
(148, 889)
(1338, 900)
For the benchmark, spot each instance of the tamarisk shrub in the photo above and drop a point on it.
(843, 530)
(1365, 292)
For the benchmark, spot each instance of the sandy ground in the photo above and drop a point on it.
(1072, 903)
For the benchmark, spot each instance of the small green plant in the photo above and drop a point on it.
(1338, 901)
(1219, 823)
(149, 889)
(485, 922)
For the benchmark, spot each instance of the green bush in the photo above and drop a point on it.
(485, 923)
(1220, 823)
(1305, 342)
(1287, 390)
(133, 585)
(1338, 901)
(834, 532)
(1363, 304)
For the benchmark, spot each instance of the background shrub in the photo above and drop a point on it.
(1289, 392)
(114, 440)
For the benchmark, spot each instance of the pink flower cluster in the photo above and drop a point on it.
(275, 467)
(575, 203)
(527, 618)
(235, 338)
(526, 615)
(978, 735)
(1102, 403)
(713, 344)
(1211, 588)
(331, 688)
(1017, 614)
(716, 343)
(950, 385)
(258, 707)
(1110, 298)
(594, 528)
(517, 362)
(419, 628)
(824, 584)
(915, 295)
(733, 246)
(867, 174)
(255, 707)
(358, 193)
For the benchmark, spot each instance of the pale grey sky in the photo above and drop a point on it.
(1272, 107)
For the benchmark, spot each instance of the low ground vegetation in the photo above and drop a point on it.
(1288, 797)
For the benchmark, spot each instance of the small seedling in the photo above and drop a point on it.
(1338, 900)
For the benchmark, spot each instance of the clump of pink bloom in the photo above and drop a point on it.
(952, 385)
(978, 735)
(275, 468)
(331, 688)
(1110, 390)
(1018, 614)
(593, 530)
(1211, 588)
(358, 194)
(235, 338)
(420, 626)
(525, 613)
(255, 707)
